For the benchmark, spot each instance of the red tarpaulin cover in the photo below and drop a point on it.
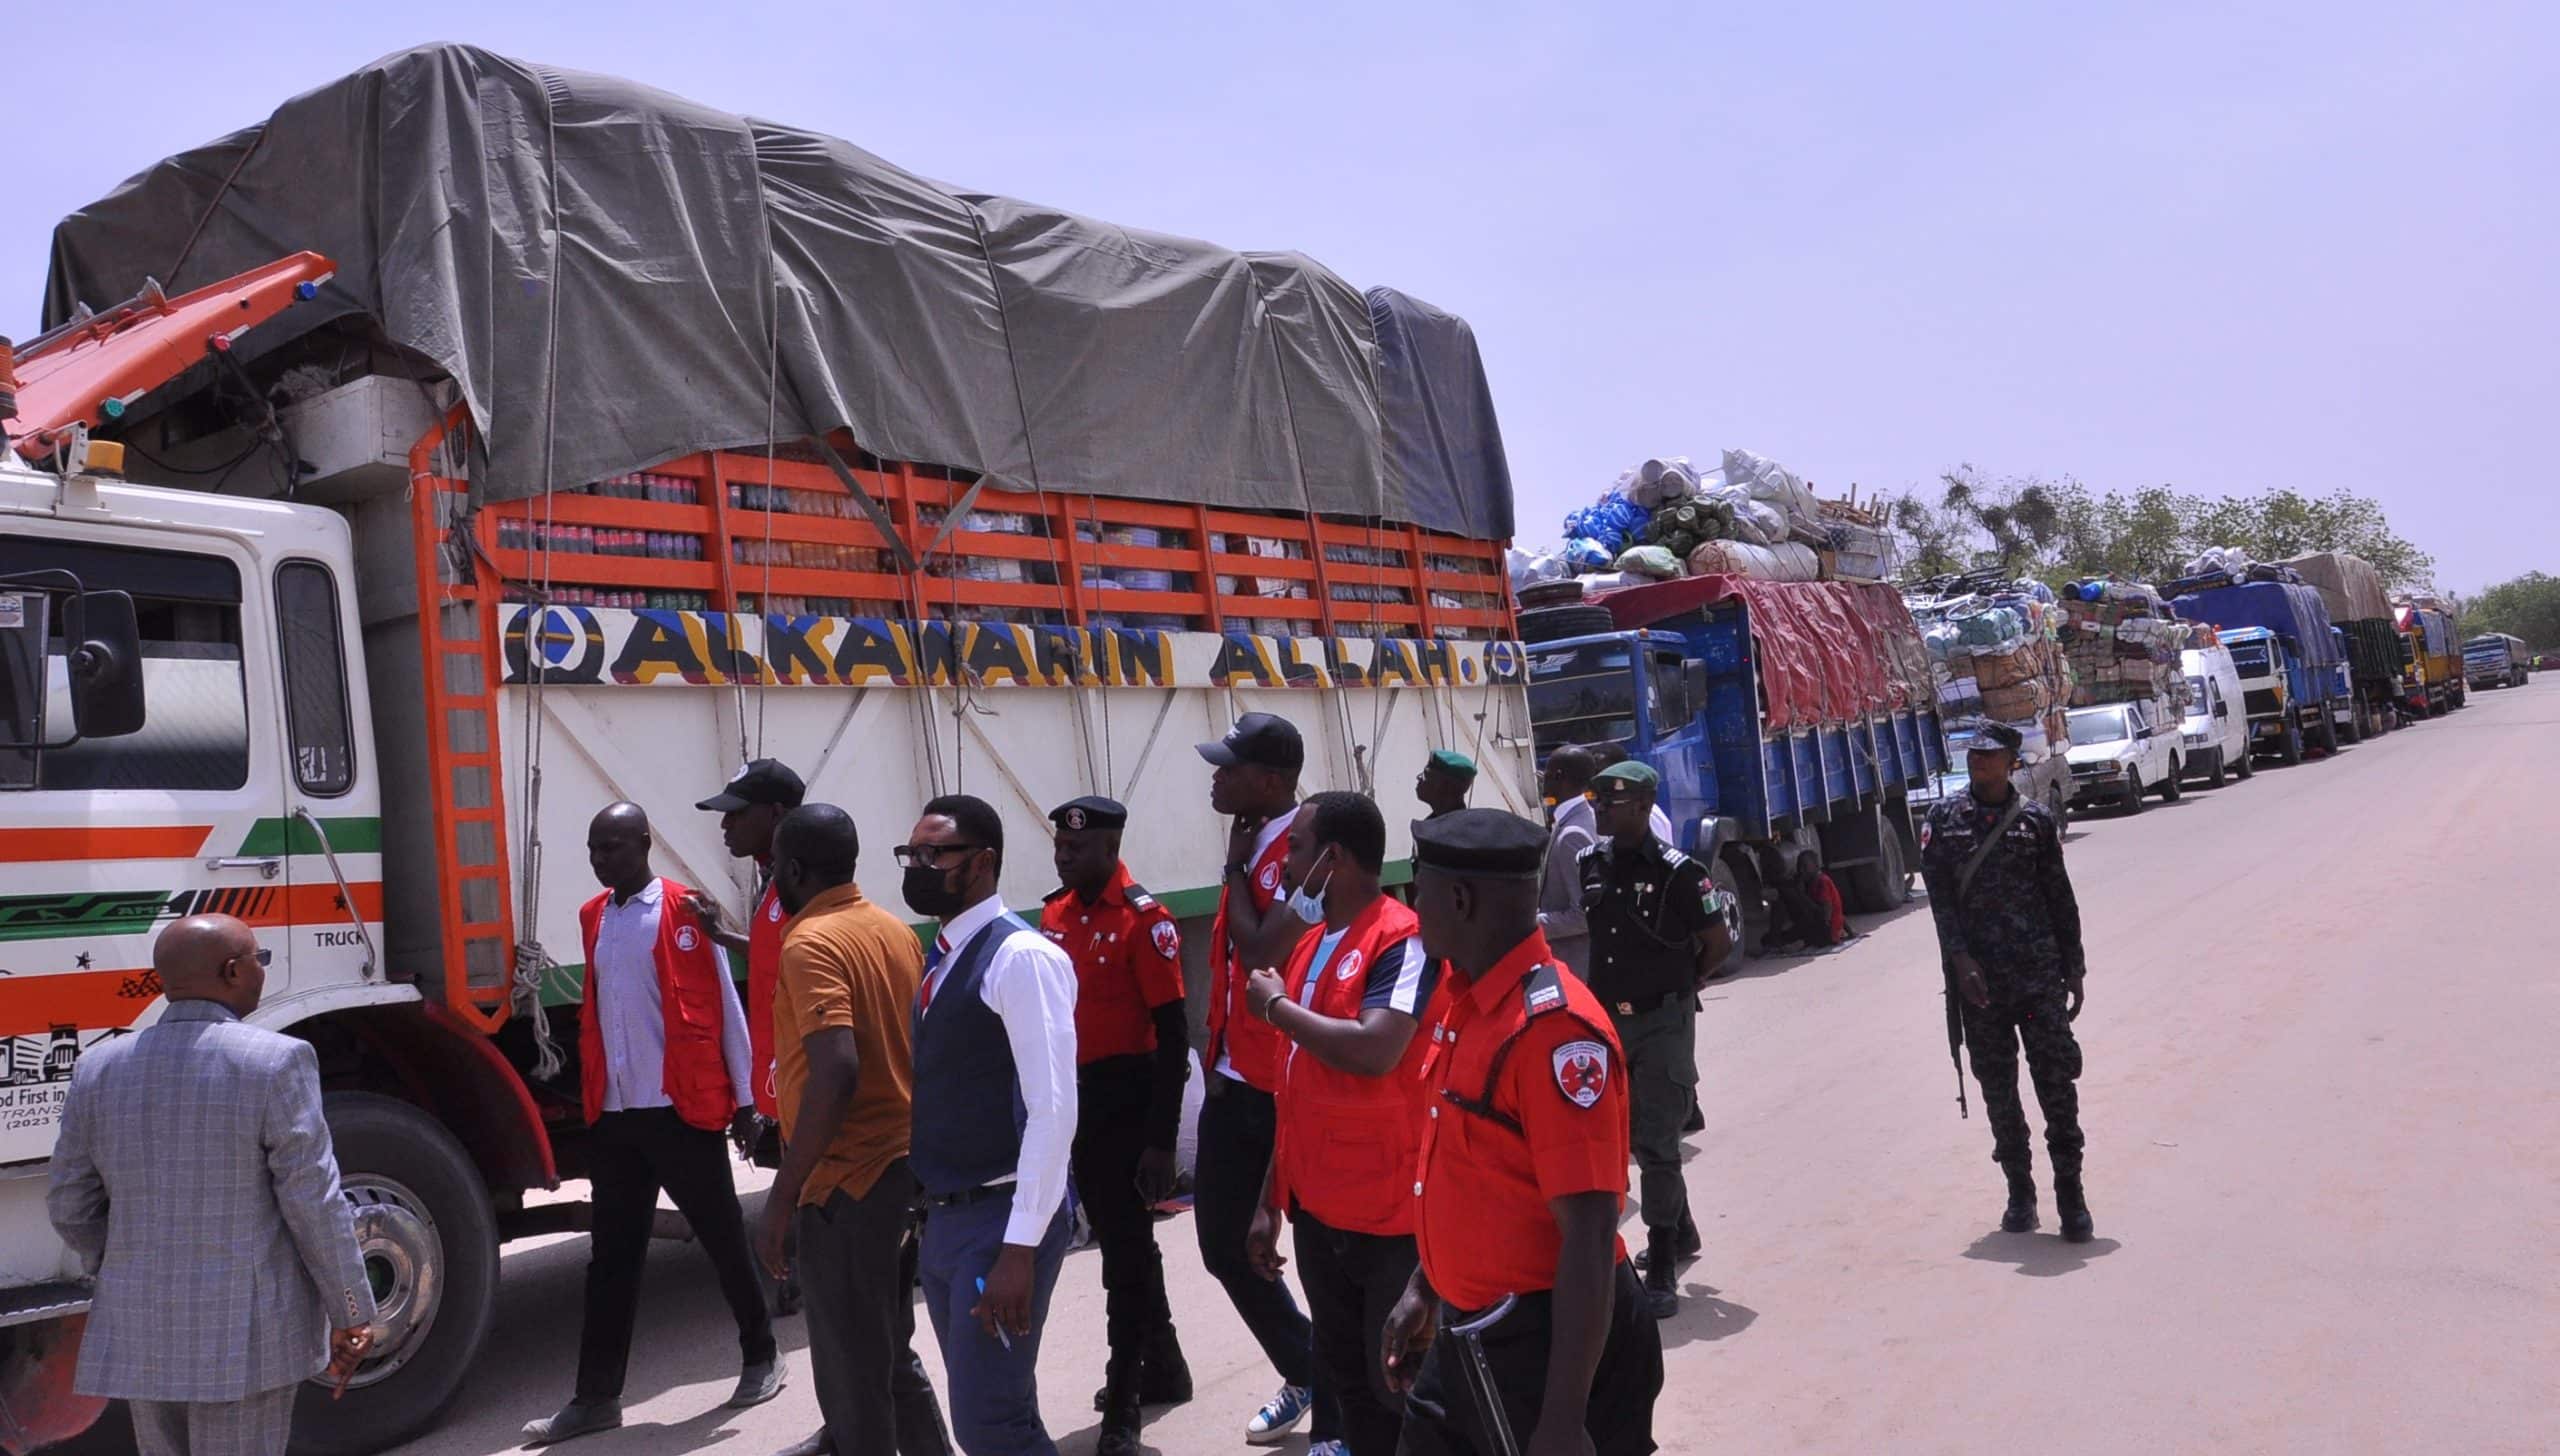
(1828, 650)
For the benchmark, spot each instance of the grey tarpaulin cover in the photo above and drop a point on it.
(454, 187)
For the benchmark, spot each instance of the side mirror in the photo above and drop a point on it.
(106, 665)
(103, 665)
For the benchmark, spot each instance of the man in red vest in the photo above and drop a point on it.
(1255, 784)
(1352, 1104)
(662, 1066)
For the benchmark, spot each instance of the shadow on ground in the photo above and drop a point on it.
(2039, 1256)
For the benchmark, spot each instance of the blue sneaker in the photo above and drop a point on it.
(1328, 1448)
(1279, 1416)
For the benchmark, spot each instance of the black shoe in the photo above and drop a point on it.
(820, 1444)
(1120, 1415)
(1164, 1376)
(757, 1384)
(2073, 1205)
(2020, 1216)
(577, 1418)
(1661, 1274)
(1690, 1243)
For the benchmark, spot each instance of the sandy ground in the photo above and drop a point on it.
(2323, 1111)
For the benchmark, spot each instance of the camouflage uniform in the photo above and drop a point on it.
(2022, 924)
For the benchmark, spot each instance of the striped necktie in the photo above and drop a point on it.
(932, 960)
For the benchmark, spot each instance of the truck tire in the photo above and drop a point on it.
(2174, 787)
(2291, 753)
(430, 1239)
(2327, 736)
(2220, 774)
(1727, 881)
(2247, 767)
(1549, 624)
(2133, 790)
(2354, 731)
(1882, 885)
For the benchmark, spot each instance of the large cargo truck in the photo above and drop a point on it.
(2288, 661)
(1778, 714)
(2496, 660)
(2360, 607)
(2434, 682)
(382, 684)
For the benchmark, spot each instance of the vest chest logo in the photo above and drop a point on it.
(1349, 966)
(1168, 940)
(773, 912)
(1582, 1071)
(686, 940)
(1269, 879)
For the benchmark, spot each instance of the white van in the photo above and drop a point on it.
(2215, 736)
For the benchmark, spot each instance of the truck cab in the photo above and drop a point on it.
(2275, 691)
(2214, 739)
(2122, 751)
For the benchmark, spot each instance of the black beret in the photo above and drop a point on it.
(1480, 842)
(1090, 812)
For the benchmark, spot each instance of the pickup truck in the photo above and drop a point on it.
(2122, 751)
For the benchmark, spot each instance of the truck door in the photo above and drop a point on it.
(104, 842)
(331, 835)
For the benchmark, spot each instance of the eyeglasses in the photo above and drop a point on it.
(262, 955)
(912, 855)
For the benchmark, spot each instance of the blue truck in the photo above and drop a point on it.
(2291, 661)
(1760, 708)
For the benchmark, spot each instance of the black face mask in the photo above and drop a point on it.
(928, 892)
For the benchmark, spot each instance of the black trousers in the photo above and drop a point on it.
(857, 1262)
(1237, 1126)
(2035, 1018)
(1353, 1281)
(633, 1156)
(1111, 1132)
(1441, 1417)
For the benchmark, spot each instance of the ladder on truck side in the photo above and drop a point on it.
(458, 642)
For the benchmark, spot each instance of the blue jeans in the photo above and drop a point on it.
(995, 1393)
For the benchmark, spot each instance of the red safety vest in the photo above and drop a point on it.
(1247, 1041)
(1348, 1145)
(689, 972)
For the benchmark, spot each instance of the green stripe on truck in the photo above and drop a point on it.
(292, 836)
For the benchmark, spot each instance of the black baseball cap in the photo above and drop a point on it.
(1484, 842)
(764, 781)
(1263, 740)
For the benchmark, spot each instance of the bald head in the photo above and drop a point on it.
(210, 958)
(618, 848)
(1569, 771)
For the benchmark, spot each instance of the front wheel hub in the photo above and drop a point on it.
(404, 1263)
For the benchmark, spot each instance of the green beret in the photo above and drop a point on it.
(1631, 771)
(1453, 763)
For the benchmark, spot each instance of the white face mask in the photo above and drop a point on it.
(1308, 905)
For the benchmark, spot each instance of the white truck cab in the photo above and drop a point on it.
(2122, 751)
(2214, 741)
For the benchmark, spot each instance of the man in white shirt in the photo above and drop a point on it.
(995, 1100)
(1564, 782)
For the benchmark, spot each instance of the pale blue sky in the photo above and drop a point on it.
(2306, 245)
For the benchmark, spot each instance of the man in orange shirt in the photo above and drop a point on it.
(1133, 1053)
(1524, 1330)
(844, 1080)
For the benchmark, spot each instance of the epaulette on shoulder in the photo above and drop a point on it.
(1543, 991)
(1138, 897)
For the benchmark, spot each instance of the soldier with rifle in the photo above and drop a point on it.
(2009, 938)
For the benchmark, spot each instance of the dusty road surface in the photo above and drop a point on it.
(2323, 1106)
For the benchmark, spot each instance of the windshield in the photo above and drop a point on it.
(2249, 657)
(2489, 651)
(1582, 694)
(2197, 707)
(2099, 725)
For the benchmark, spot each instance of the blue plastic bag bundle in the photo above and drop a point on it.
(1583, 554)
(1612, 520)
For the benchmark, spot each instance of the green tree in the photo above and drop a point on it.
(2526, 607)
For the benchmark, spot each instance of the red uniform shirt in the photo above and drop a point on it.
(1347, 1144)
(1506, 1132)
(1827, 895)
(764, 975)
(1248, 1043)
(1128, 958)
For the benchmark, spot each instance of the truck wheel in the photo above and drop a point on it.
(2247, 767)
(2215, 779)
(1725, 879)
(2174, 787)
(2291, 753)
(2133, 791)
(2354, 731)
(1885, 885)
(2327, 737)
(430, 1240)
(1548, 624)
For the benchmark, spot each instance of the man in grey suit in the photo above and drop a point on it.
(194, 1178)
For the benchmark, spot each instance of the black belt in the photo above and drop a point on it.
(967, 1196)
(1639, 1005)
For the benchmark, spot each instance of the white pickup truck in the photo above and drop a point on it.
(2122, 751)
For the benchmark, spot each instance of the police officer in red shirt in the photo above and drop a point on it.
(1524, 1330)
(1255, 784)
(1357, 991)
(1133, 1053)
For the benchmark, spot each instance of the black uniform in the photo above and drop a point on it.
(1647, 906)
(2020, 921)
